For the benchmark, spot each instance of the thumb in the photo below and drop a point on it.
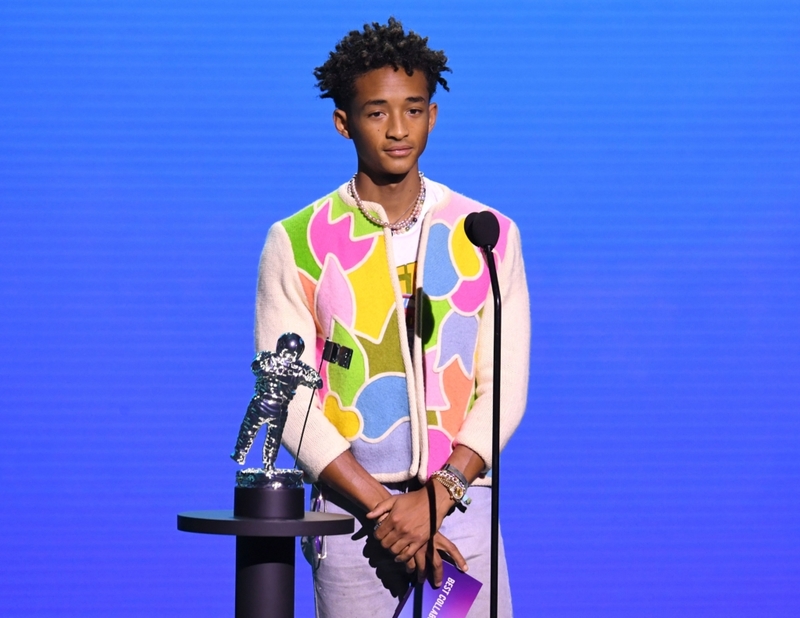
(382, 508)
(442, 542)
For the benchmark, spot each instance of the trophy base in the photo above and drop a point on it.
(268, 502)
(269, 494)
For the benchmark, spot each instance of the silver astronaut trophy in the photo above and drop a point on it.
(278, 375)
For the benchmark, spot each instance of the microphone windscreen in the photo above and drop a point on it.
(482, 228)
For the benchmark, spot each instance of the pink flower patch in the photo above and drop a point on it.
(335, 237)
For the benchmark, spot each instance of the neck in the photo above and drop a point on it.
(395, 193)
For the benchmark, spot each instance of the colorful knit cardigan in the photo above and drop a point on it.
(328, 272)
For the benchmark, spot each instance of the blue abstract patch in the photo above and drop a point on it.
(459, 334)
(392, 454)
(382, 403)
(440, 276)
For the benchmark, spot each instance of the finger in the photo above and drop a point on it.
(388, 536)
(435, 567)
(447, 545)
(403, 550)
(382, 508)
(376, 529)
(421, 561)
(411, 565)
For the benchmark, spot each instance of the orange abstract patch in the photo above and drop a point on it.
(308, 287)
(457, 390)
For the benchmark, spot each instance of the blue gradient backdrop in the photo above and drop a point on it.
(650, 152)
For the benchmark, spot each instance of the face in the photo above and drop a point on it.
(388, 120)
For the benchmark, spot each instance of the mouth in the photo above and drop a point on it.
(399, 151)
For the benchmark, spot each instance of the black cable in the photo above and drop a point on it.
(310, 401)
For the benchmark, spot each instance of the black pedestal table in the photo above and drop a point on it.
(265, 554)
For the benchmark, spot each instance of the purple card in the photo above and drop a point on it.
(452, 600)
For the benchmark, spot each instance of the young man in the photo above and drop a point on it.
(382, 265)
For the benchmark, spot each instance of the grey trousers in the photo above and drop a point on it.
(357, 578)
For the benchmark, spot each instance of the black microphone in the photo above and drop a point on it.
(482, 229)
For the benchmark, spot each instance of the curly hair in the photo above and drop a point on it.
(375, 47)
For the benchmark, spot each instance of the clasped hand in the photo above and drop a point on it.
(408, 527)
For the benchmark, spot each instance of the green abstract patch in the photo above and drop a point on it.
(296, 227)
(433, 418)
(473, 397)
(361, 225)
(383, 357)
(346, 382)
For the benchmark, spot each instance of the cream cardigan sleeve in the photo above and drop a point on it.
(476, 432)
(282, 306)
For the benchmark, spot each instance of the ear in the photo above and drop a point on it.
(340, 122)
(433, 112)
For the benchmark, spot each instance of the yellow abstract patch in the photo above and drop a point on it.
(371, 280)
(465, 256)
(347, 422)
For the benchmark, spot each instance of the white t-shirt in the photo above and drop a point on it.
(405, 247)
(405, 244)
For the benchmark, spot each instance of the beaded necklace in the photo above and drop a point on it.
(402, 225)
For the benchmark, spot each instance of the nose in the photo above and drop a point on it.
(397, 128)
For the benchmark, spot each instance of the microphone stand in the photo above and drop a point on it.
(483, 230)
(498, 320)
